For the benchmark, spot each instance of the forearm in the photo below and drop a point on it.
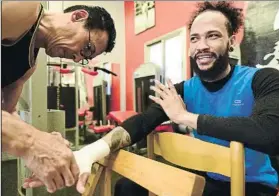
(17, 136)
(135, 128)
(131, 130)
(113, 141)
(258, 133)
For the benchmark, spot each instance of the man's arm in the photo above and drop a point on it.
(260, 131)
(16, 135)
(139, 126)
(46, 155)
(10, 96)
(129, 132)
(15, 140)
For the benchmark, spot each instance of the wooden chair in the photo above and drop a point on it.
(157, 177)
(192, 153)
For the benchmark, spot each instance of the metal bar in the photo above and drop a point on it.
(77, 95)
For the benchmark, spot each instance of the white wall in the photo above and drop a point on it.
(116, 10)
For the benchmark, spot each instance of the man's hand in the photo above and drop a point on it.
(51, 161)
(85, 170)
(84, 164)
(169, 100)
(85, 157)
(33, 182)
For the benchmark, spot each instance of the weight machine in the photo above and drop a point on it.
(99, 124)
(65, 96)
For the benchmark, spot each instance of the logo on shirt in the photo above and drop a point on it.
(238, 102)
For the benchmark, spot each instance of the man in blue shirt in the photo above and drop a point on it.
(224, 103)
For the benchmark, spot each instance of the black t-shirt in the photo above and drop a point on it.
(15, 56)
(260, 131)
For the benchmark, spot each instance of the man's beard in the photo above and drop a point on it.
(218, 67)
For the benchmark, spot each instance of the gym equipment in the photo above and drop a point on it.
(143, 79)
(102, 94)
(102, 97)
(61, 96)
(66, 97)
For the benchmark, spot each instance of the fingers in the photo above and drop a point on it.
(47, 178)
(32, 183)
(159, 91)
(58, 181)
(162, 87)
(68, 177)
(75, 169)
(50, 185)
(164, 91)
(27, 181)
(82, 182)
(156, 99)
(35, 184)
(171, 87)
(65, 171)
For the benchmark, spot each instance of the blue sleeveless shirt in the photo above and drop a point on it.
(234, 99)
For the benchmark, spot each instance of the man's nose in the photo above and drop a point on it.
(202, 45)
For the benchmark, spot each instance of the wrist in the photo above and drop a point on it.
(188, 119)
(95, 151)
(90, 154)
(182, 118)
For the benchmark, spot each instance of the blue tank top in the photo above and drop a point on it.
(234, 99)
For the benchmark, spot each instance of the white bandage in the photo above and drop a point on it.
(90, 154)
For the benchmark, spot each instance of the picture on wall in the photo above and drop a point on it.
(144, 15)
(260, 44)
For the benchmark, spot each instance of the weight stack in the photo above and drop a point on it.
(56, 121)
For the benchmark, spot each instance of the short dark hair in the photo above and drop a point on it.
(98, 19)
(233, 14)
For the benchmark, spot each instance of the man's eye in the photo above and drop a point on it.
(213, 36)
(193, 39)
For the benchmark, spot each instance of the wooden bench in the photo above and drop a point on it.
(157, 177)
(192, 153)
(161, 179)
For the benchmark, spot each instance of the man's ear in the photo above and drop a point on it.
(232, 41)
(79, 15)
